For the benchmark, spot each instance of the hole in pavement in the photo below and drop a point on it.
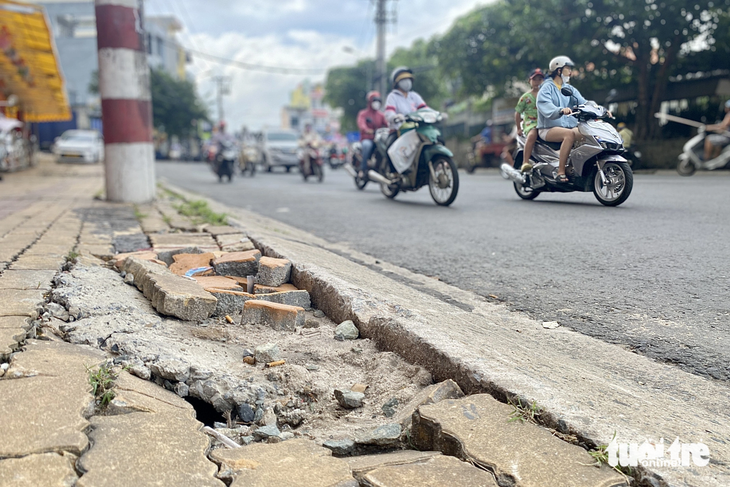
(205, 413)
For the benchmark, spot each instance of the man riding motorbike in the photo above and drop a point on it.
(368, 121)
(402, 100)
(715, 142)
(309, 139)
(554, 123)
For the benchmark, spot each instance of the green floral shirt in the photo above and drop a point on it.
(527, 107)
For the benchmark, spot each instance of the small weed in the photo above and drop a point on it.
(167, 219)
(102, 383)
(138, 214)
(525, 412)
(72, 256)
(600, 455)
(200, 211)
(99, 195)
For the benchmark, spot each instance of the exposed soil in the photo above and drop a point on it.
(205, 360)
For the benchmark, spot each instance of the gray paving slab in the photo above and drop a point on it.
(436, 472)
(27, 279)
(294, 463)
(44, 469)
(482, 430)
(45, 408)
(149, 437)
(14, 302)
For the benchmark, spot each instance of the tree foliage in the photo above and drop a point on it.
(175, 105)
(347, 87)
(633, 46)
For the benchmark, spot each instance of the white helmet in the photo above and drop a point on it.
(559, 62)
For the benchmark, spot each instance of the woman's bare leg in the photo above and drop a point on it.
(567, 137)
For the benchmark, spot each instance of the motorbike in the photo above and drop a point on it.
(316, 164)
(425, 162)
(354, 165)
(336, 158)
(596, 163)
(247, 161)
(224, 160)
(693, 153)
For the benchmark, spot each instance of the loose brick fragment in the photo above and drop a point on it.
(277, 316)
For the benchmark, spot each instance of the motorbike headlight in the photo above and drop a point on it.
(430, 118)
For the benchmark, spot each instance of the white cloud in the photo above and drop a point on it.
(290, 33)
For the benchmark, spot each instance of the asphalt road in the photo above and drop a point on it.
(652, 275)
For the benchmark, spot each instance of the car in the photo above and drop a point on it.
(85, 146)
(279, 149)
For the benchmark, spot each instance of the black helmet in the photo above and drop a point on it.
(400, 73)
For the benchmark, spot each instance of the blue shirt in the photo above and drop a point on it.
(550, 102)
(487, 134)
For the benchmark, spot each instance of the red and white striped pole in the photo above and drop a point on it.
(126, 108)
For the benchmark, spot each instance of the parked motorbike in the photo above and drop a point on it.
(596, 162)
(224, 161)
(431, 163)
(315, 167)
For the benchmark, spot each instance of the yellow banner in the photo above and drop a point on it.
(29, 65)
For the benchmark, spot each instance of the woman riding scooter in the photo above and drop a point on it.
(554, 122)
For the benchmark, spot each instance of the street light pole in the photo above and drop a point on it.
(223, 87)
(126, 101)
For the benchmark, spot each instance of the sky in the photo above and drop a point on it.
(291, 33)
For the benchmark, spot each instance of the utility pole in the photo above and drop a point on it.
(223, 87)
(126, 106)
(381, 20)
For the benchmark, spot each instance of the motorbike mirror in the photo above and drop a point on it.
(565, 90)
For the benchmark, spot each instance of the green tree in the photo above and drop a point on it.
(175, 104)
(347, 87)
(428, 81)
(616, 43)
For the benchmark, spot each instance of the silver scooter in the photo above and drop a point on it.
(595, 163)
(692, 157)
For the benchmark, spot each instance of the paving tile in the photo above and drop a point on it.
(45, 409)
(44, 469)
(478, 429)
(292, 463)
(14, 302)
(27, 279)
(437, 472)
(149, 437)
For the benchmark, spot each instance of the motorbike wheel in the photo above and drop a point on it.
(360, 183)
(620, 183)
(446, 185)
(686, 168)
(389, 190)
(526, 193)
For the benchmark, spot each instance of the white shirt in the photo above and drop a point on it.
(398, 103)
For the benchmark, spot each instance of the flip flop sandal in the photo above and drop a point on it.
(562, 178)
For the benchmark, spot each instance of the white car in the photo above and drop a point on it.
(85, 146)
(279, 148)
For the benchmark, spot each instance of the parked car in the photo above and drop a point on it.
(86, 146)
(279, 149)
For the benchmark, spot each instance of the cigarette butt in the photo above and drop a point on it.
(493, 296)
(249, 360)
(276, 364)
(229, 319)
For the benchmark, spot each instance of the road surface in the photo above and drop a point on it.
(652, 275)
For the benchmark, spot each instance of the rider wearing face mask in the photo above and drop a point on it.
(402, 100)
(554, 122)
(368, 121)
